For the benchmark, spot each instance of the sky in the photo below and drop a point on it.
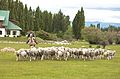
(95, 10)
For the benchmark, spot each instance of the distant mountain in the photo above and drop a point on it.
(102, 24)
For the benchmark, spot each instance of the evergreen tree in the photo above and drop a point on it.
(26, 17)
(31, 19)
(60, 22)
(82, 18)
(45, 17)
(78, 23)
(37, 19)
(50, 22)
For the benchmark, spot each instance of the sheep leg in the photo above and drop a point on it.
(42, 57)
(17, 59)
(30, 58)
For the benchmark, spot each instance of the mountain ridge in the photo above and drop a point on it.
(102, 24)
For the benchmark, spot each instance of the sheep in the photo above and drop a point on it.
(109, 54)
(33, 53)
(21, 53)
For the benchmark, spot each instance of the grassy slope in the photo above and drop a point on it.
(52, 69)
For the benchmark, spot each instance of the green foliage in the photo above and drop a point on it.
(91, 34)
(60, 23)
(96, 36)
(68, 35)
(117, 38)
(78, 23)
(45, 35)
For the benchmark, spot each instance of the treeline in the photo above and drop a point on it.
(109, 28)
(35, 20)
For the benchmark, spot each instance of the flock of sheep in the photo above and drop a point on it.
(7, 49)
(64, 53)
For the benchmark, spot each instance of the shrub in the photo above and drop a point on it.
(45, 35)
(68, 35)
(95, 36)
(91, 34)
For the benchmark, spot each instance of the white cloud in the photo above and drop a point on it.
(70, 7)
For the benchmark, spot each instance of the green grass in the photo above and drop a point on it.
(18, 39)
(53, 69)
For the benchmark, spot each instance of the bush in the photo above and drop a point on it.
(45, 35)
(95, 36)
(117, 39)
(98, 46)
(91, 34)
(68, 35)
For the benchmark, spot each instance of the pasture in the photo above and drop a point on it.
(54, 69)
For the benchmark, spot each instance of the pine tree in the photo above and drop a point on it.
(37, 19)
(26, 25)
(45, 17)
(31, 19)
(21, 17)
(50, 22)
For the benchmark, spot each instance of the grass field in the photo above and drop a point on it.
(53, 69)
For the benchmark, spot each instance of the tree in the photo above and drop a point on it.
(98, 25)
(82, 18)
(38, 23)
(26, 17)
(31, 19)
(45, 17)
(60, 23)
(78, 23)
(3, 5)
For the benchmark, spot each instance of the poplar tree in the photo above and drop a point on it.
(78, 23)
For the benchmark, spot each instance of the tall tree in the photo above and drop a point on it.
(36, 22)
(26, 17)
(21, 17)
(45, 17)
(78, 23)
(31, 19)
(82, 18)
(50, 22)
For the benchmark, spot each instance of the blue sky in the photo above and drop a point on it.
(95, 10)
